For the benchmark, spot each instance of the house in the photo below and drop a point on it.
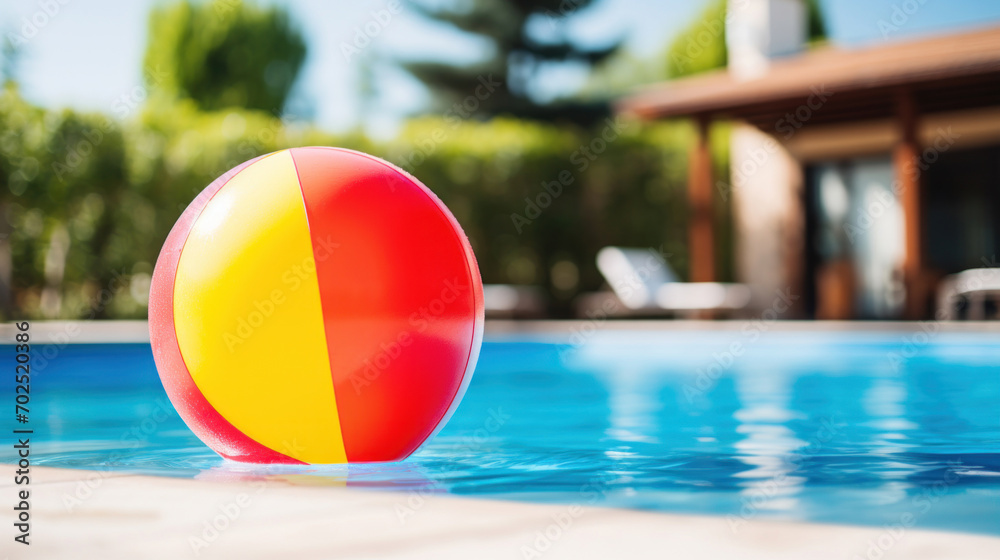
(860, 178)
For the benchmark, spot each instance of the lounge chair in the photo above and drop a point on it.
(972, 294)
(644, 284)
(510, 301)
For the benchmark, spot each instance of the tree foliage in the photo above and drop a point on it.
(87, 198)
(524, 38)
(102, 195)
(225, 53)
(73, 217)
(701, 46)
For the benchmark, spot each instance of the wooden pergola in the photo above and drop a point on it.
(903, 81)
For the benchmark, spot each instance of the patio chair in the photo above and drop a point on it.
(506, 301)
(972, 295)
(644, 284)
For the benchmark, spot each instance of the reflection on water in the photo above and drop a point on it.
(833, 428)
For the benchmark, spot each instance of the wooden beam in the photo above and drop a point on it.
(701, 238)
(906, 164)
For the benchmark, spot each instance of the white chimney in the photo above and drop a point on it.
(760, 30)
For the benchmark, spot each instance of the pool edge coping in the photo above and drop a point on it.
(137, 331)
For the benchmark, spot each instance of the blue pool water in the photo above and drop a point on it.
(882, 429)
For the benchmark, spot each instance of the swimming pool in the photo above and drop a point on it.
(875, 428)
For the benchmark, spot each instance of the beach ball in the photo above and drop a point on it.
(316, 305)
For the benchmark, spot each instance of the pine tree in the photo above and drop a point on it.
(526, 38)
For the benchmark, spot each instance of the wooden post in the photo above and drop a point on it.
(701, 240)
(907, 170)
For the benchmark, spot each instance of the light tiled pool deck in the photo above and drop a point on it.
(90, 514)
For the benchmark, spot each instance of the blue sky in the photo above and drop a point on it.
(89, 52)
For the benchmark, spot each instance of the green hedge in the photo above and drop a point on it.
(537, 201)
